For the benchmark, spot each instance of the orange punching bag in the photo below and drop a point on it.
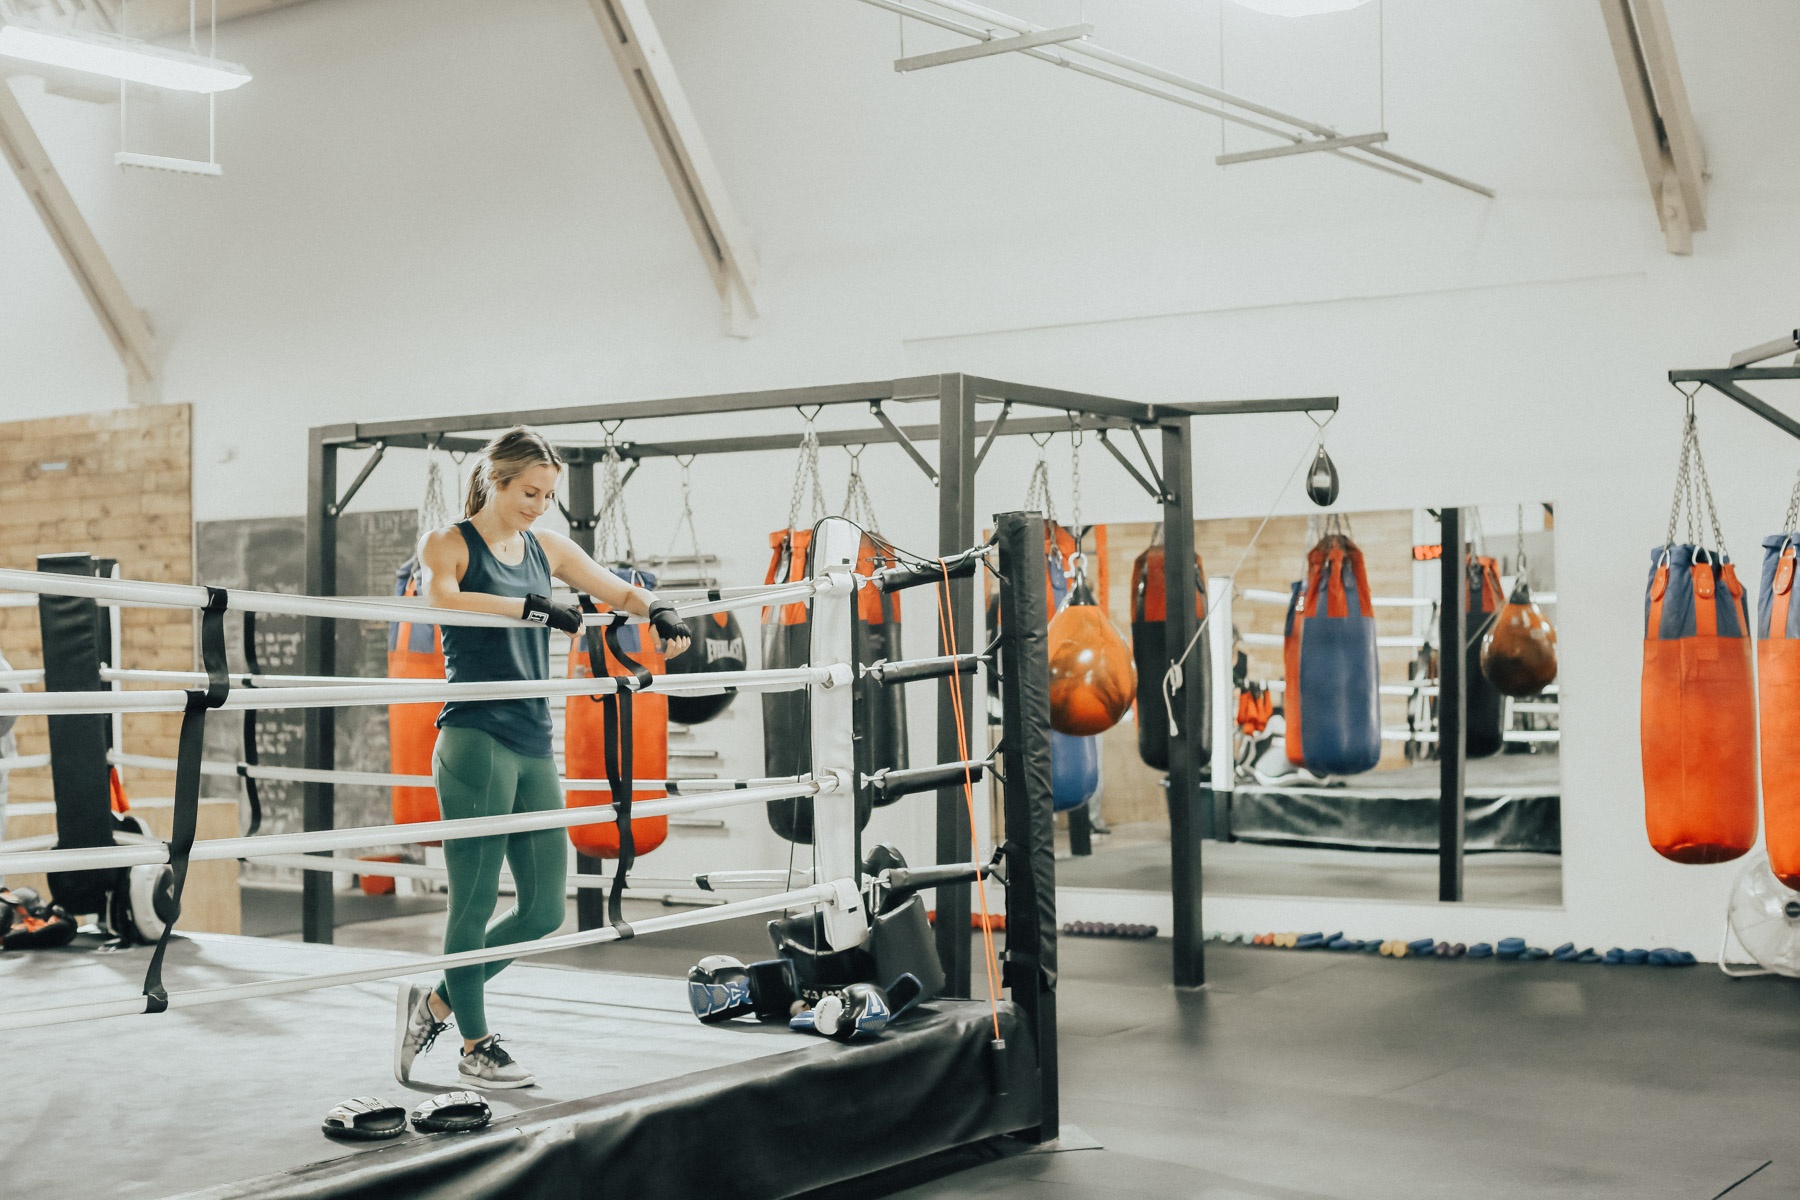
(584, 737)
(1518, 655)
(1698, 721)
(414, 652)
(1092, 679)
(1778, 695)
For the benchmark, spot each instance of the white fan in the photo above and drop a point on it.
(1764, 916)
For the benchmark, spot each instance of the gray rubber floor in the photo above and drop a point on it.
(1136, 857)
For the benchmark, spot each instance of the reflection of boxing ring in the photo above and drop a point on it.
(1510, 801)
(644, 1101)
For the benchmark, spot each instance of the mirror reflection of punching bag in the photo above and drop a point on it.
(1484, 721)
(1519, 654)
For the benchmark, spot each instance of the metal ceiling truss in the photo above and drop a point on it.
(1068, 47)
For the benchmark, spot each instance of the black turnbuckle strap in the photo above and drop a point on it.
(620, 740)
(254, 666)
(187, 779)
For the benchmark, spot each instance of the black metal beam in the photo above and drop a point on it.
(1453, 704)
(1725, 383)
(921, 388)
(1073, 402)
(337, 506)
(956, 532)
(1156, 493)
(1230, 408)
(827, 437)
(1187, 802)
(899, 435)
(317, 915)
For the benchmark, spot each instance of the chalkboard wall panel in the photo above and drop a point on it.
(268, 554)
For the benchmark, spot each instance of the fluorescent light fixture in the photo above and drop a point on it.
(1301, 8)
(159, 162)
(120, 58)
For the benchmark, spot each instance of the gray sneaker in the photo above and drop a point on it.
(488, 1066)
(415, 1028)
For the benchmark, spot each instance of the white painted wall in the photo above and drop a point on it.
(445, 205)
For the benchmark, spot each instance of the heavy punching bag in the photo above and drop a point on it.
(1778, 698)
(1149, 647)
(1092, 680)
(414, 652)
(1332, 663)
(1698, 722)
(1484, 721)
(584, 734)
(787, 642)
(1074, 770)
(717, 645)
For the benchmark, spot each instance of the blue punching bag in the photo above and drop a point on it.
(1339, 681)
(1074, 770)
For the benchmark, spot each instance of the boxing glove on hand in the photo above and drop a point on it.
(720, 987)
(540, 611)
(668, 625)
(861, 1009)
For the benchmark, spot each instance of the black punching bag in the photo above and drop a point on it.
(717, 645)
(1149, 648)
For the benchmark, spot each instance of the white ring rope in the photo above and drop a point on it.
(1264, 596)
(421, 691)
(226, 770)
(31, 1018)
(341, 865)
(368, 836)
(185, 595)
(22, 761)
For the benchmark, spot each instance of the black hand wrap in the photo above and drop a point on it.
(539, 611)
(668, 625)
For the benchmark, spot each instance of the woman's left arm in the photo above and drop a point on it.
(577, 568)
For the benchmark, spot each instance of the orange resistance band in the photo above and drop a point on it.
(991, 962)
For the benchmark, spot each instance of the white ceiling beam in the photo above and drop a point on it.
(674, 131)
(123, 322)
(1661, 121)
(1306, 147)
(1022, 41)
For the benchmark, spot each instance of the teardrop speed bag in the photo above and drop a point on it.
(1698, 720)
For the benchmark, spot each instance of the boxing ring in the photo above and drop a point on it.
(231, 1048)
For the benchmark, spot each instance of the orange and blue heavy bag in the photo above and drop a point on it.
(1698, 720)
(1778, 698)
(584, 735)
(414, 652)
(1149, 646)
(1332, 666)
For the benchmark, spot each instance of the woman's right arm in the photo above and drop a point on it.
(445, 556)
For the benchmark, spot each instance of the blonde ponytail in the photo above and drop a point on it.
(505, 458)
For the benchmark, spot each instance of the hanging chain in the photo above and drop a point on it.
(807, 469)
(612, 527)
(687, 515)
(1693, 491)
(1078, 560)
(1793, 512)
(857, 505)
(434, 510)
(1519, 563)
(1037, 490)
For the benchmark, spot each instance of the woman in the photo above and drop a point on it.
(494, 756)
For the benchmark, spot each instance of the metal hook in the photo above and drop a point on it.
(1042, 442)
(1329, 418)
(816, 410)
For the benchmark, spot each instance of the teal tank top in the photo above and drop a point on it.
(477, 655)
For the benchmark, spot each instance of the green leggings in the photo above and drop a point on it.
(478, 777)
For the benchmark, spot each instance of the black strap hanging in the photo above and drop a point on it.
(187, 779)
(619, 735)
(254, 667)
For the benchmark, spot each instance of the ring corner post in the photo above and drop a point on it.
(956, 533)
(1030, 829)
(1453, 706)
(317, 915)
(590, 903)
(1188, 802)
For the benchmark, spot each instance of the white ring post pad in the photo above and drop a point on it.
(835, 546)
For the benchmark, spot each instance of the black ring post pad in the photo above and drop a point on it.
(187, 779)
